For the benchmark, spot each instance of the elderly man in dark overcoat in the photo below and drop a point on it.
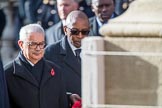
(66, 52)
(34, 82)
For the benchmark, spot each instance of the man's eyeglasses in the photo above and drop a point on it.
(75, 31)
(34, 45)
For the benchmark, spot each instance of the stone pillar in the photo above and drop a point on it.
(132, 61)
(93, 88)
(8, 52)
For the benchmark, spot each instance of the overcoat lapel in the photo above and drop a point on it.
(20, 70)
(70, 61)
(60, 31)
(69, 58)
(95, 28)
(46, 74)
(59, 34)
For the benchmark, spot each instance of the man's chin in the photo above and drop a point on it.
(105, 19)
(77, 45)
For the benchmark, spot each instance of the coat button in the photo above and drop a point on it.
(125, 6)
(81, 8)
(39, 11)
(53, 11)
(50, 23)
(39, 22)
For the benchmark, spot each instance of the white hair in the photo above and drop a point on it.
(25, 31)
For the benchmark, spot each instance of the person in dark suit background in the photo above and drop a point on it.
(85, 6)
(104, 10)
(56, 32)
(43, 12)
(2, 25)
(34, 82)
(3, 22)
(66, 51)
(4, 102)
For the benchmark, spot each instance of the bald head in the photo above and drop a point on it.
(75, 15)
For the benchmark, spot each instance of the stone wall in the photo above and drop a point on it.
(127, 66)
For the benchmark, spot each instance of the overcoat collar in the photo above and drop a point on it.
(21, 71)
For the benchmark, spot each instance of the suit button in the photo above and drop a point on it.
(39, 11)
(50, 23)
(81, 8)
(53, 11)
(39, 22)
(125, 6)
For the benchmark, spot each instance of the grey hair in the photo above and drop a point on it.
(25, 31)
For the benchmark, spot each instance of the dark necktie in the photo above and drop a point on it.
(77, 52)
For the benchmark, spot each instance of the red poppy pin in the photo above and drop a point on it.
(52, 72)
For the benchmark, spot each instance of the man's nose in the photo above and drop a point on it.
(80, 35)
(104, 8)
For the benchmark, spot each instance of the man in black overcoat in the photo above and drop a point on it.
(34, 82)
(65, 51)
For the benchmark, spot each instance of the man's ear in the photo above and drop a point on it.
(65, 30)
(20, 43)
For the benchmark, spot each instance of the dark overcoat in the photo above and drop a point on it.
(4, 103)
(25, 91)
(94, 27)
(54, 33)
(62, 54)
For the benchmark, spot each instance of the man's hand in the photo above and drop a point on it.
(74, 98)
(76, 101)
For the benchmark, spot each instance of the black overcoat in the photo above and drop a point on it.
(54, 33)
(4, 103)
(62, 54)
(25, 91)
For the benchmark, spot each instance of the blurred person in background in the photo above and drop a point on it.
(104, 10)
(56, 32)
(3, 21)
(43, 12)
(85, 6)
(4, 102)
